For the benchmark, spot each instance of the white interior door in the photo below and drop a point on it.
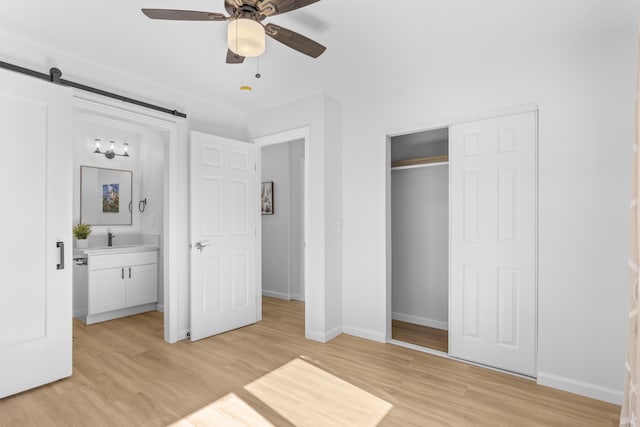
(493, 242)
(35, 288)
(223, 235)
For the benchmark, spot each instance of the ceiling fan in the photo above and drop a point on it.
(245, 31)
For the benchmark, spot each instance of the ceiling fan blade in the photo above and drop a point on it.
(234, 58)
(276, 7)
(183, 15)
(294, 40)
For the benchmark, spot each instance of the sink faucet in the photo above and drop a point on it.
(110, 237)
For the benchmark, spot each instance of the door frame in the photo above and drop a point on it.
(175, 254)
(278, 138)
(447, 123)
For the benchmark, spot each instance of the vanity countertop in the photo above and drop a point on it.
(116, 249)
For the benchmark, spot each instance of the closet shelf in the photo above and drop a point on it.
(420, 161)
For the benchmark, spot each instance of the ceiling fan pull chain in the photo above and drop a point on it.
(237, 35)
(258, 75)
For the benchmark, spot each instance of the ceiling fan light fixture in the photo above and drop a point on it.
(246, 37)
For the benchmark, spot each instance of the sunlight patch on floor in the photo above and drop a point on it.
(309, 396)
(228, 411)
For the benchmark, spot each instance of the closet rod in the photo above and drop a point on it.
(423, 165)
(420, 161)
(55, 75)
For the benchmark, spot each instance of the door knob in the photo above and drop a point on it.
(201, 245)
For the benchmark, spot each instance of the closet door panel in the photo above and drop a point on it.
(493, 242)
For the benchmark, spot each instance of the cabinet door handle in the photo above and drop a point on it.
(129, 272)
(60, 246)
(122, 273)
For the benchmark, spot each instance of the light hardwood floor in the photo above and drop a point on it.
(124, 374)
(423, 336)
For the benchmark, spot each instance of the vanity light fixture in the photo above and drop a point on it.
(111, 153)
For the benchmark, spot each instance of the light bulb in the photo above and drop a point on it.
(112, 146)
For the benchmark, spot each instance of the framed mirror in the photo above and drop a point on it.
(105, 196)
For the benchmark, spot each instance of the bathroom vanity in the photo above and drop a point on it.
(115, 281)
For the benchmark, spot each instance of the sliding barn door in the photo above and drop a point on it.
(35, 255)
(493, 242)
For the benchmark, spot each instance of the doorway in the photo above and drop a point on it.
(157, 149)
(420, 238)
(133, 218)
(272, 151)
(282, 196)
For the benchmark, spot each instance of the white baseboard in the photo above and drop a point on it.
(333, 333)
(297, 297)
(326, 337)
(315, 336)
(417, 320)
(278, 295)
(581, 388)
(115, 314)
(80, 312)
(160, 308)
(363, 333)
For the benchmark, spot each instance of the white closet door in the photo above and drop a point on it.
(35, 288)
(493, 242)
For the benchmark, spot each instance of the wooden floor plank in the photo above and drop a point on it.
(125, 375)
(424, 336)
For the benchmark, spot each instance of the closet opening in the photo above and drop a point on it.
(419, 209)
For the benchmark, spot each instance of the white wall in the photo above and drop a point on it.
(152, 167)
(585, 94)
(296, 235)
(333, 214)
(420, 245)
(322, 115)
(281, 232)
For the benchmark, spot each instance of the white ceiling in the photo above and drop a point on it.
(371, 45)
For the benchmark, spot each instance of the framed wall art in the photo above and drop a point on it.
(267, 198)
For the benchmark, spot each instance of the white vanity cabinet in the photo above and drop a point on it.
(120, 284)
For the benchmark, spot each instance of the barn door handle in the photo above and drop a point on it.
(60, 246)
